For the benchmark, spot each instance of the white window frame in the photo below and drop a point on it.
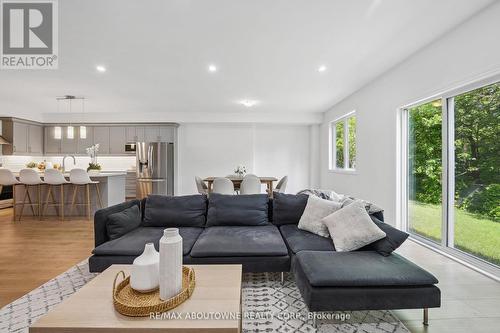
(333, 147)
(446, 246)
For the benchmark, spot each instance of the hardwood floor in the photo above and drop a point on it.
(32, 252)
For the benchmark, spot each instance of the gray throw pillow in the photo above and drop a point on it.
(351, 227)
(123, 222)
(316, 209)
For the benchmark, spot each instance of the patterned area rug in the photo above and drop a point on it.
(268, 306)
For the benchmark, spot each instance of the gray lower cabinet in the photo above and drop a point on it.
(101, 137)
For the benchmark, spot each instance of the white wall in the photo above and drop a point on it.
(467, 53)
(264, 149)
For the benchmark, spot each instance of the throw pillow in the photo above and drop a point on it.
(316, 209)
(175, 211)
(237, 210)
(288, 208)
(351, 228)
(119, 224)
(394, 238)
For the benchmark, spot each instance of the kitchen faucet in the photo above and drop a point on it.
(64, 162)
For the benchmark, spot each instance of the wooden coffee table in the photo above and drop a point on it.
(90, 309)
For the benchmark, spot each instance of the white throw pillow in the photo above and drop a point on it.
(316, 209)
(351, 227)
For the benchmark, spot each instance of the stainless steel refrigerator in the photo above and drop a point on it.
(155, 168)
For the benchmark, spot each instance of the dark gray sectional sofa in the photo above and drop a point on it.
(262, 235)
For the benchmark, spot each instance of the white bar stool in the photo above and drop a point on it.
(55, 178)
(7, 178)
(79, 178)
(29, 178)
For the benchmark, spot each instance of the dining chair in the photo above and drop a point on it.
(30, 178)
(281, 186)
(223, 186)
(250, 185)
(7, 178)
(80, 178)
(53, 178)
(200, 184)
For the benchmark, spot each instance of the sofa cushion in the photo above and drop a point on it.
(393, 239)
(237, 210)
(234, 241)
(120, 223)
(360, 269)
(178, 211)
(351, 228)
(316, 209)
(132, 244)
(288, 208)
(300, 240)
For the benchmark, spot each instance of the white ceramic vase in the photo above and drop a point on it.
(144, 275)
(170, 263)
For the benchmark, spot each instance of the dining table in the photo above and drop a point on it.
(268, 181)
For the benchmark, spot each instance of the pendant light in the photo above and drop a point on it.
(83, 128)
(57, 129)
(70, 130)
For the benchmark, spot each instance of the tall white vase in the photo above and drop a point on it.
(144, 272)
(170, 263)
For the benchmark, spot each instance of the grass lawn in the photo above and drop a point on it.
(473, 234)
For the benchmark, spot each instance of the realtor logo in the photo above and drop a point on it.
(29, 34)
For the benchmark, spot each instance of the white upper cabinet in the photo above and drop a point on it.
(151, 133)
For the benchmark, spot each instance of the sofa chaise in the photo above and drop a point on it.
(262, 235)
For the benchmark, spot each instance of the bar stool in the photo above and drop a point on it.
(55, 178)
(7, 178)
(29, 178)
(80, 178)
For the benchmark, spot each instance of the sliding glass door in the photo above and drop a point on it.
(476, 211)
(452, 173)
(425, 170)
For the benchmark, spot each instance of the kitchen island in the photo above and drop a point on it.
(111, 188)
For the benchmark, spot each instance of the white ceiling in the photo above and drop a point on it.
(157, 53)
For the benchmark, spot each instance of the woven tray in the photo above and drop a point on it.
(132, 303)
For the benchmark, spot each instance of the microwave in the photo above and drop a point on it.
(130, 147)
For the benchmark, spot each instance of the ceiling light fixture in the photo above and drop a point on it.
(249, 102)
(100, 68)
(321, 68)
(212, 68)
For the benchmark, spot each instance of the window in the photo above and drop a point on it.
(343, 143)
(452, 161)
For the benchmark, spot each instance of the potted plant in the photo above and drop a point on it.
(92, 151)
(240, 170)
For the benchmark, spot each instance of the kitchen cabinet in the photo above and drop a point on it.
(139, 134)
(68, 145)
(83, 144)
(101, 137)
(35, 139)
(130, 134)
(151, 133)
(167, 134)
(51, 145)
(26, 137)
(20, 138)
(117, 139)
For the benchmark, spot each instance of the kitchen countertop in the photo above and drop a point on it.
(102, 174)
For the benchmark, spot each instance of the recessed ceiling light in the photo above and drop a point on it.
(100, 68)
(321, 68)
(212, 68)
(249, 102)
